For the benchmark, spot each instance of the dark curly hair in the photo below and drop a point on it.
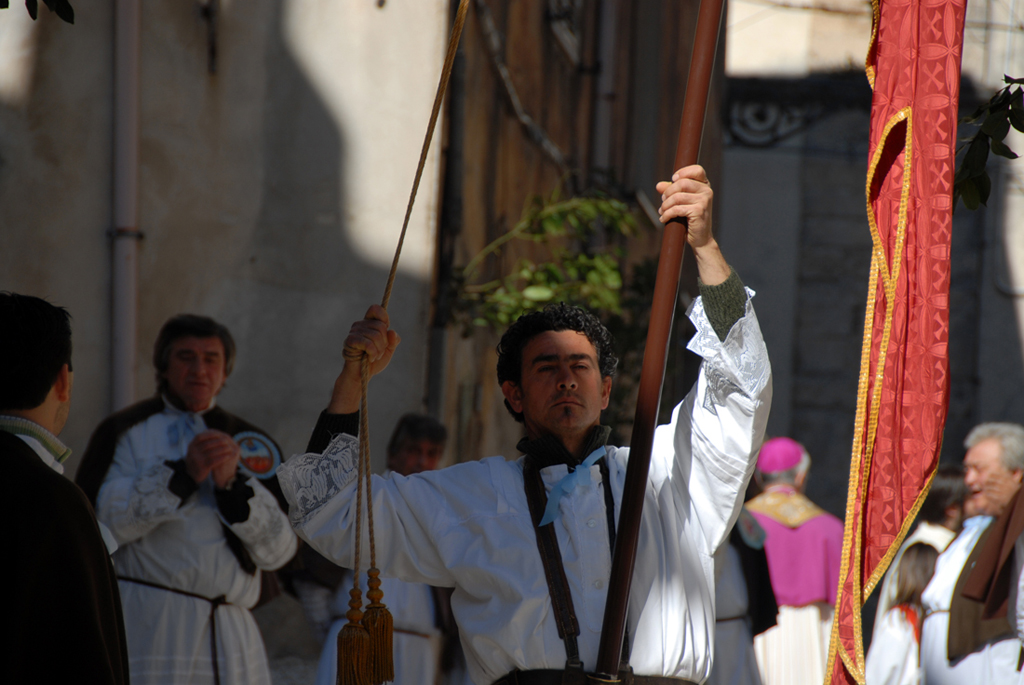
(554, 317)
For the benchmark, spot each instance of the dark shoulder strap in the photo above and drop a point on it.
(100, 452)
(554, 571)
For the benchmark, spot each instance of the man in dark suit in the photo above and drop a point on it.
(61, 606)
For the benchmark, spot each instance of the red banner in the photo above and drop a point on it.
(914, 69)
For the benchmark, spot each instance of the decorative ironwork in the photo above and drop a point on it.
(762, 112)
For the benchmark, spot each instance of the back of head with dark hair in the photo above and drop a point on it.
(35, 344)
(554, 317)
(189, 326)
(948, 490)
(416, 427)
(915, 571)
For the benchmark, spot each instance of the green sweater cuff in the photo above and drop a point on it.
(725, 303)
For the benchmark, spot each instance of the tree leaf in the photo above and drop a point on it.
(65, 11)
(997, 124)
(538, 293)
(1001, 149)
(977, 155)
(984, 186)
(969, 194)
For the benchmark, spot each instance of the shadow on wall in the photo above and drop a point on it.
(304, 283)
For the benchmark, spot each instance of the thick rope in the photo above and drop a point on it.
(379, 667)
(446, 72)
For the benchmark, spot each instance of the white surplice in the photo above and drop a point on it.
(469, 526)
(894, 657)
(184, 547)
(994, 664)
(795, 651)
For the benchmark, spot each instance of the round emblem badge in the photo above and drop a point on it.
(260, 456)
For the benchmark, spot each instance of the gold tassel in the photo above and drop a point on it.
(379, 626)
(353, 645)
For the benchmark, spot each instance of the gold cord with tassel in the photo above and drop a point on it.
(377, 620)
(353, 645)
(353, 640)
(365, 643)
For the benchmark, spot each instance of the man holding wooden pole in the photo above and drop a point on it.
(527, 544)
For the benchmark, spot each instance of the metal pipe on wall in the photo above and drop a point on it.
(125, 234)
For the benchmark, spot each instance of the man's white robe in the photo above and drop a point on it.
(184, 547)
(994, 664)
(469, 526)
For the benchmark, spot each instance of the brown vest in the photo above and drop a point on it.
(968, 630)
(990, 580)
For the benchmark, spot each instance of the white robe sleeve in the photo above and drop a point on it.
(321, 489)
(706, 454)
(266, 533)
(134, 498)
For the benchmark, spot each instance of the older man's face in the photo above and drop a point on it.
(196, 371)
(992, 485)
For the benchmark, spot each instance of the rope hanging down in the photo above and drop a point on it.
(365, 643)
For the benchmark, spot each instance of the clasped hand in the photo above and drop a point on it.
(213, 452)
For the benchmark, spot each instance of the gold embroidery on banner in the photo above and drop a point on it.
(869, 68)
(860, 468)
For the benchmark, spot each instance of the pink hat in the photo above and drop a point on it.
(779, 454)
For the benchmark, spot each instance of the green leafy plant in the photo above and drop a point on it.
(62, 8)
(582, 263)
(994, 118)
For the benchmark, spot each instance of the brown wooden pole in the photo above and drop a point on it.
(652, 376)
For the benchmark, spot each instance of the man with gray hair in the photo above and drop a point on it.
(958, 644)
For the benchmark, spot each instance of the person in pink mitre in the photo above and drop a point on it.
(804, 546)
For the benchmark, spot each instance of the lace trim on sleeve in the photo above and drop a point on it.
(309, 481)
(150, 497)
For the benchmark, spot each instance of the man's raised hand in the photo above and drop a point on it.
(689, 197)
(372, 336)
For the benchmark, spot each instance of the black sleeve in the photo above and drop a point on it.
(329, 425)
(233, 501)
(181, 484)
